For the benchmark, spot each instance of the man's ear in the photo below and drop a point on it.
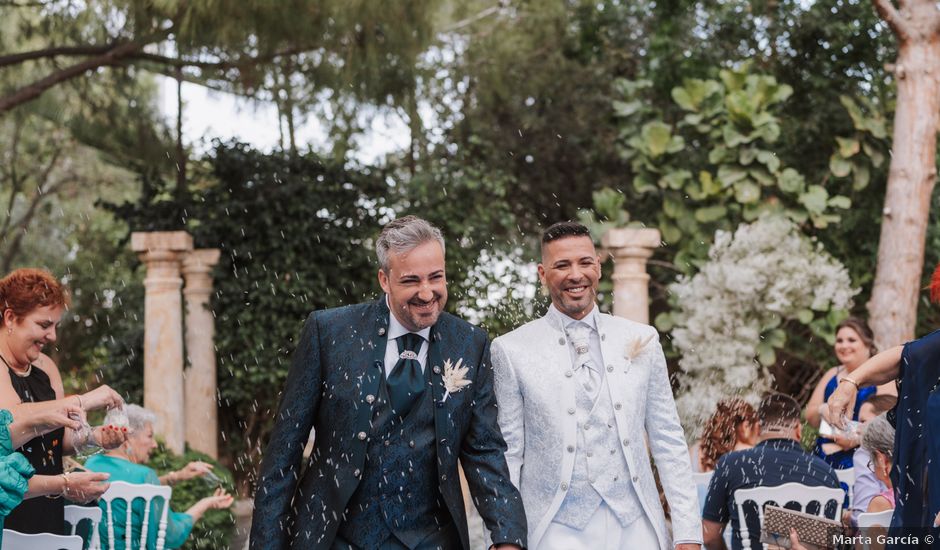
(383, 280)
(799, 431)
(541, 270)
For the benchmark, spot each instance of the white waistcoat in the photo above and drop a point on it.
(600, 468)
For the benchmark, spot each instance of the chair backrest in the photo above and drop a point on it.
(794, 496)
(873, 520)
(130, 492)
(76, 514)
(14, 540)
(847, 478)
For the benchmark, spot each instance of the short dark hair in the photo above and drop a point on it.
(778, 411)
(882, 402)
(561, 230)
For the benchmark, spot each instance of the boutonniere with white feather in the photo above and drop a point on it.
(635, 346)
(454, 377)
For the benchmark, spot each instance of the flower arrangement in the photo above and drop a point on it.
(729, 319)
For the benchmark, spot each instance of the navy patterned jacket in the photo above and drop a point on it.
(334, 376)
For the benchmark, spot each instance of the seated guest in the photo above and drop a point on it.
(732, 427)
(878, 440)
(126, 463)
(867, 485)
(777, 458)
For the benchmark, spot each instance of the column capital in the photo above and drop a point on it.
(197, 270)
(149, 241)
(631, 241)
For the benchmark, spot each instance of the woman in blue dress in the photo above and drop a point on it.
(916, 368)
(854, 345)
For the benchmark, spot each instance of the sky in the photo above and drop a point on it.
(209, 114)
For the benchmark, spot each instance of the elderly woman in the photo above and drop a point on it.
(31, 304)
(878, 440)
(126, 463)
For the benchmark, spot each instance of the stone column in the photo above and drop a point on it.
(202, 422)
(631, 248)
(161, 252)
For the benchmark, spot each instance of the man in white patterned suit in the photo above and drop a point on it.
(578, 393)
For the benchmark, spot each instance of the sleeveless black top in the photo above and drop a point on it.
(40, 514)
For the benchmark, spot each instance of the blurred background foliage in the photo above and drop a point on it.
(689, 116)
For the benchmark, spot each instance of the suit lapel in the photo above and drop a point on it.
(375, 369)
(436, 364)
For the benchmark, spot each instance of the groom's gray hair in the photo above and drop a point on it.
(403, 235)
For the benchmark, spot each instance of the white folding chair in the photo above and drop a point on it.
(874, 519)
(785, 495)
(701, 480)
(14, 540)
(130, 492)
(76, 514)
(847, 477)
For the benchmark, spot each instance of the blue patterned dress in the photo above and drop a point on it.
(841, 459)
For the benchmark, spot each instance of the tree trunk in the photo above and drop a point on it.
(893, 305)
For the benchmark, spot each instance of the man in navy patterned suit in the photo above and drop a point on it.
(397, 391)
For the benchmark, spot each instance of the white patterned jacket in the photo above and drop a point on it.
(534, 394)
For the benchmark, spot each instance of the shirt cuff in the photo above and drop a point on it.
(678, 542)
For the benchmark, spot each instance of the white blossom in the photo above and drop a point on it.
(765, 274)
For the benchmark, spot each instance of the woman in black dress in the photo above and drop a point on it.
(31, 304)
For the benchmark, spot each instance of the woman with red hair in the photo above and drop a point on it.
(31, 304)
(916, 368)
(732, 427)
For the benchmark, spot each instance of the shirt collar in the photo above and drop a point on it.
(396, 329)
(590, 319)
(780, 443)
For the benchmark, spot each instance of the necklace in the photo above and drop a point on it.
(16, 371)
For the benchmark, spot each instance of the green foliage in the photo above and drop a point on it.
(863, 151)
(718, 165)
(295, 233)
(216, 527)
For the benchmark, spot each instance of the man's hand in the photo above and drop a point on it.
(506, 547)
(840, 403)
(688, 546)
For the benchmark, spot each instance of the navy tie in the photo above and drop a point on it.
(405, 383)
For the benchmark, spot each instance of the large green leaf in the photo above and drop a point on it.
(791, 181)
(874, 154)
(709, 214)
(746, 191)
(728, 174)
(848, 147)
(709, 185)
(840, 201)
(769, 159)
(656, 137)
(675, 179)
(815, 199)
(860, 176)
(839, 166)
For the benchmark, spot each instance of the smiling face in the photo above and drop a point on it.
(416, 285)
(851, 350)
(570, 270)
(26, 336)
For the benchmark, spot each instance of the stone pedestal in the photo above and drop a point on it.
(631, 248)
(162, 253)
(202, 423)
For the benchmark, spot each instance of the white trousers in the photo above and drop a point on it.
(603, 532)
